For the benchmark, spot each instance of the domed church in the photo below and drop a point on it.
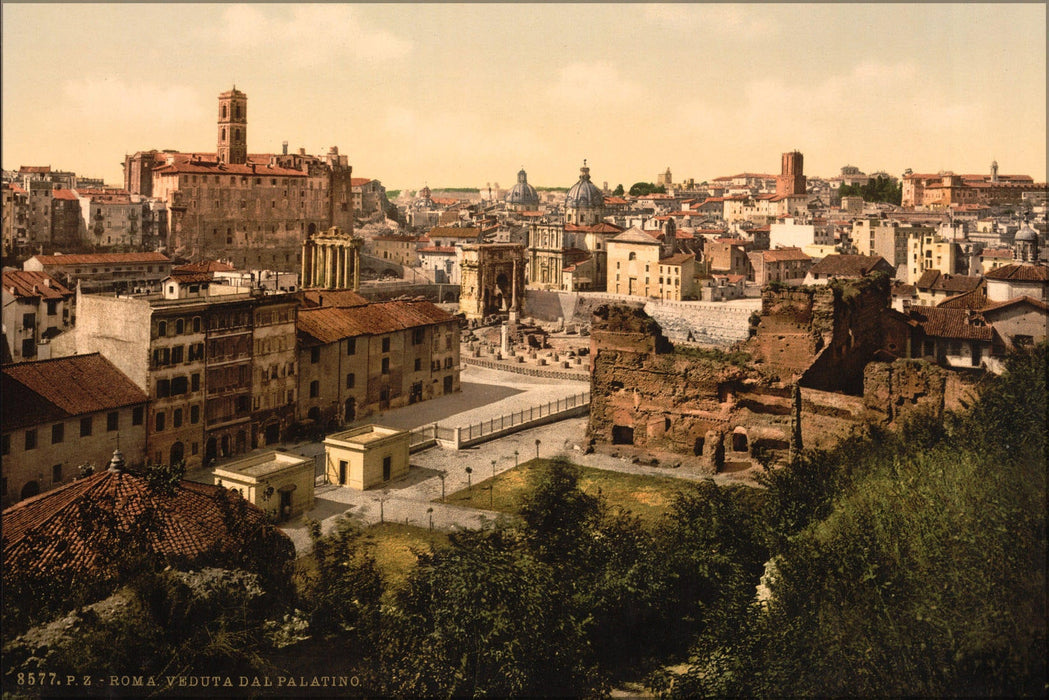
(584, 203)
(523, 196)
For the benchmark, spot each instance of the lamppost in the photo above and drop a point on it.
(491, 489)
(537, 441)
(382, 503)
(516, 453)
(469, 485)
(441, 475)
(429, 511)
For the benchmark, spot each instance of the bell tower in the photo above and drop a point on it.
(233, 128)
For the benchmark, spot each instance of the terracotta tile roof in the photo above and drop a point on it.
(359, 181)
(678, 259)
(191, 277)
(330, 324)
(959, 324)
(63, 387)
(30, 169)
(64, 194)
(997, 253)
(396, 239)
(783, 255)
(204, 266)
(24, 284)
(635, 235)
(212, 168)
(440, 249)
(615, 200)
(975, 300)
(602, 227)
(904, 290)
(848, 265)
(730, 241)
(61, 531)
(102, 259)
(935, 281)
(332, 297)
(1021, 272)
(990, 308)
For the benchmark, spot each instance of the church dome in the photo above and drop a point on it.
(522, 193)
(584, 194)
(1026, 233)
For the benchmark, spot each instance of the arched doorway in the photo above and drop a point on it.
(177, 454)
(31, 489)
(312, 229)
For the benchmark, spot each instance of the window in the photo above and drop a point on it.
(196, 324)
(56, 473)
(385, 365)
(180, 327)
(315, 389)
(176, 354)
(162, 327)
(176, 418)
(315, 355)
(137, 415)
(52, 308)
(160, 421)
(386, 344)
(85, 427)
(30, 439)
(351, 380)
(112, 421)
(179, 386)
(418, 364)
(194, 382)
(58, 433)
(194, 414)
(351, 346)
(163, 388)
(418, 335)
(28, 321)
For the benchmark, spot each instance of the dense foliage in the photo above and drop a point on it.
(905, 563)
(640, 189)
(878, 189)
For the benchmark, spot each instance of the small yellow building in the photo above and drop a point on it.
(366, 456)
(279, 483)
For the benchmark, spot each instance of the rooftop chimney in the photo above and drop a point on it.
(284, 148)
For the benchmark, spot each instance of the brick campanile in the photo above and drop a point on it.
(233, 128)
(791, 180)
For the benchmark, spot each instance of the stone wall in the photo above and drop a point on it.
(896, 390)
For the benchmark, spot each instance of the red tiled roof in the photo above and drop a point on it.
(102, 259)
(191, 277)
(24, 284)
(975, 299)
(330, 324)
(61, 531)
(962, 324)
(332, 297)
(997, 253)
(678, 259)
(848, 265)
(602, 227)
(63, 387)
(212, 168)
(60, 193)
(935, 281)
(783, 255)
(35, 169)
(359, 181)
(1020, 272)
(1016, 301)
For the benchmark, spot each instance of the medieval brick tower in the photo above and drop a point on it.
(791, 180)
(233, 128)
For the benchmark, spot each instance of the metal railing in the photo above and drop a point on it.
(523, 417)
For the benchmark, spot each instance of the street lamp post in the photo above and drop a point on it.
(516, 454)
(491, 489)
(469, 484)
(429, 511)
(441, 475)
(537, 441)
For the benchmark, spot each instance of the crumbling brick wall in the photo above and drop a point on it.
(894, 390)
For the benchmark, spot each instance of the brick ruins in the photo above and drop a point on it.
(722, 411)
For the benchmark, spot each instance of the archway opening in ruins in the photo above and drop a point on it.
(622, 435)
(503, 292)
(697, 447)
(739, 442)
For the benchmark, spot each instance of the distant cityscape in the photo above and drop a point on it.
(277, 327)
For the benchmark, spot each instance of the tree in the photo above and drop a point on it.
(618, 191)
(557, 515)
(640, 189)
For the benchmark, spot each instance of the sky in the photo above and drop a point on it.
(464, 95)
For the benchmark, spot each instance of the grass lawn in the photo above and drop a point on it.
(392, 546)
(645, 496)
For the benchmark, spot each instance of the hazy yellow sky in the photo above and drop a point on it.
(466, 94)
